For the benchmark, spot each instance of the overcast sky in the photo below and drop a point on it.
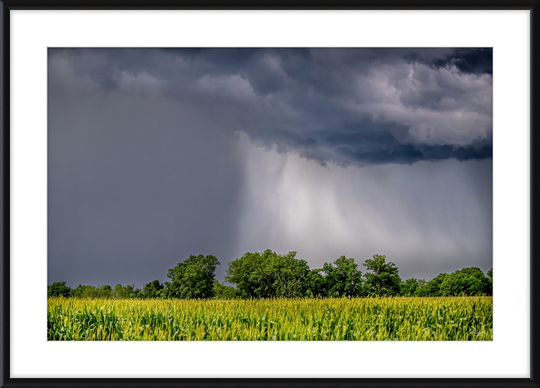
(156, 154)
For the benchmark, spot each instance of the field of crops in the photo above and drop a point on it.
(398, 319)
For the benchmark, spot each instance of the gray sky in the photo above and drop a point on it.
(158, 154)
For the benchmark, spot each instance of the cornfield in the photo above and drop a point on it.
(397, 319)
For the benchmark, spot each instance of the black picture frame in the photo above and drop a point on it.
(7, 5)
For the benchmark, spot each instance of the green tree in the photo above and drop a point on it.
(432, 287)
(152, 290)
(409, 287)
(164, 292)
(223, 292)
(490, 282)
(193, 278)
(128, 290)
(59, 289)
(118, 292)
(268, 275)
(381, 278)
(420, 288)
(131, 292)
(137, 293)
(104, 291)
(469, 281)
(85, 291)
(290, 275)
(253, 275)
(343, 278)
(316, 284)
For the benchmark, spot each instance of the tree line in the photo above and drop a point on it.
(271, 275)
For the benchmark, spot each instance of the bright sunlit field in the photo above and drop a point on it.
(396, 319)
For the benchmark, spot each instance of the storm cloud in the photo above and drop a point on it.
(155, 154)
(343, 106)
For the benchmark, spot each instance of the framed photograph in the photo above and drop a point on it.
(321, 191)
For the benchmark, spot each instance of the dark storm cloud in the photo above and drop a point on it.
(346, 106)
(156, 154)
(468, 60)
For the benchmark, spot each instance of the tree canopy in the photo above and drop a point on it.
(467, 281)
(193, 278)
(382, 278)
(343, 278)
(58, 289)
(268, 274)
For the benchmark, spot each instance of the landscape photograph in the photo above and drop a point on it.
(270, 194)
